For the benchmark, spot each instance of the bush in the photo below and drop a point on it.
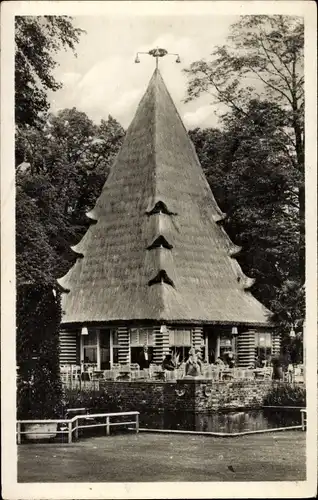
(286, 395)
(94, 400)
(39, 388)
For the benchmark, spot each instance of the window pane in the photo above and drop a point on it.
(262, 340)
(171, 337)
(135, 353)
(141, 336)
(105, 359)
(180, 337)
(104, 338)
(91, 338)
(134, 337)
(182, 352)
(150, 340)
(225, 342)
(90, 355)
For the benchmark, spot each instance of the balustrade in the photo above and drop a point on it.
(74, 376)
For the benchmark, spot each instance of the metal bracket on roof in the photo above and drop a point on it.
(157, 52)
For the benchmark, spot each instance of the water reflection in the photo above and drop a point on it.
(229, 422)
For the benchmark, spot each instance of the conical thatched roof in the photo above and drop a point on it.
(157, 250)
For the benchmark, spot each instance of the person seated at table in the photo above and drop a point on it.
(277, 368)
(193, 365)
(229, 359)
(169, 363)
(257, 362)
(219, 362)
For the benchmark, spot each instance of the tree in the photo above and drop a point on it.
(39, 391)
(263, 61)
(250, 176)
(65, 166)
(37, 40)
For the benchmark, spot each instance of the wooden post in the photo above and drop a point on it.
(19, 432)
(137, 423)
(206, 343)
(107, 426)
(70, 432)
(76, 429)
(303, 419)
(217, 347)
(98, 348)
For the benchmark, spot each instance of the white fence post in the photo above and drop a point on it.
(107, 426)
(137, 423)
(76, 428)
(70, 428)
(19, 432)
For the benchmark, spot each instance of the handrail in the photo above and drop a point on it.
(51, 421)
(70, 429)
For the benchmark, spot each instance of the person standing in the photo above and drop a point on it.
(144, 358)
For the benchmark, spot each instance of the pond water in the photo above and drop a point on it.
(229, 422)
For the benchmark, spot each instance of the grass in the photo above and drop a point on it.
(153, 457)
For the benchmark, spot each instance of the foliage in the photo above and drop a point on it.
(61, 169)
(39, 392)
(264, 60)
(255, 165)
(286, 395)
(94, 400)
(37, 40)
(261, 212)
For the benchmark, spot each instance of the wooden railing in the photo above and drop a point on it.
(72, 426)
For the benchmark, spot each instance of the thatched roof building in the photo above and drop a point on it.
(157, 252)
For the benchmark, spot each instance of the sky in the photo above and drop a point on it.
(103, 79)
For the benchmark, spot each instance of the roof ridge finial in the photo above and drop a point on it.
(157, 52)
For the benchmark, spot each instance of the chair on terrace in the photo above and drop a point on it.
(239, 373)
(171, 375)
(155, 372)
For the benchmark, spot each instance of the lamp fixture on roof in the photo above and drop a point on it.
(157, 52)
(234, 330)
